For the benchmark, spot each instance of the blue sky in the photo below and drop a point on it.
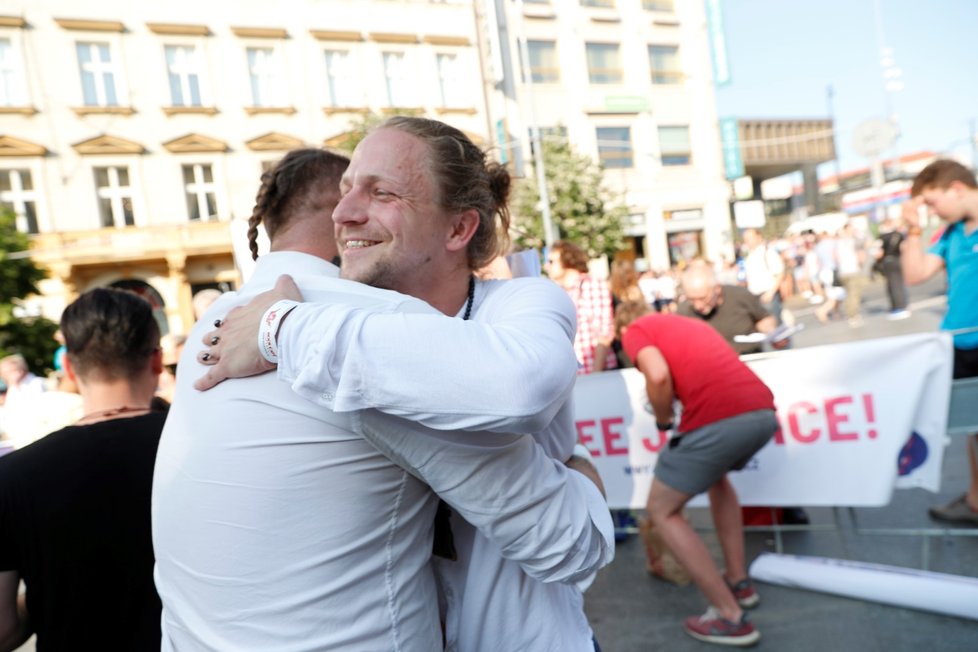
(784, 53)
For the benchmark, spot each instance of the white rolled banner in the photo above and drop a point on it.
(943, 593)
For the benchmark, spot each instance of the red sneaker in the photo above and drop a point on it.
(711, 627)
(744, 591)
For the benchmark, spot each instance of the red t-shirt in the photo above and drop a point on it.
(707, 376)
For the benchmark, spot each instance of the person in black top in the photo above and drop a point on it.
(75, 505)
(891, 268)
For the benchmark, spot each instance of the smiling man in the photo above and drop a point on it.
(534, 528)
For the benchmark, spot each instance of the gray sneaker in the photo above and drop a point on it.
(956, 511)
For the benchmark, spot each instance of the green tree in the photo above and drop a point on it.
(582, 209)
(33, 337)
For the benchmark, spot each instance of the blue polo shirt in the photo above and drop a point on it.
(960, 253)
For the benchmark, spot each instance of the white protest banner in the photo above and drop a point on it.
(852, 416)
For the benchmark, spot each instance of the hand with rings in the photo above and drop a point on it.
(233, 346)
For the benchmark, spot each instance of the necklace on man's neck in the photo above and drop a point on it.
(103, 415)
(470, 298)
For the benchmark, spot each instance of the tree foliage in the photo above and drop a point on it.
(582, 209)
(33, 337)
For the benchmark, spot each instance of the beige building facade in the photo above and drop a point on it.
(133, 135)
(630, 82)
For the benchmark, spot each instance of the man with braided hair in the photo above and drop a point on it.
(279, 524)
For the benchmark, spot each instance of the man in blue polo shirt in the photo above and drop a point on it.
(950, 190)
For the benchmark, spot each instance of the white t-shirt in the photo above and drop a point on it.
(763, 268)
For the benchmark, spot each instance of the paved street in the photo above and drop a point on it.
(630, 611)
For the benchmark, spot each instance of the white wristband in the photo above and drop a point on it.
(268, 329)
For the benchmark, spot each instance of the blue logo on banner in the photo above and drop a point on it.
(912, 455)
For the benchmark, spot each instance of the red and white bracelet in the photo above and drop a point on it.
(268, 329)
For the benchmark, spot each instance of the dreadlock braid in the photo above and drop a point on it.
(286, 186)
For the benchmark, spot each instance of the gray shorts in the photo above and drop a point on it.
(697, 460)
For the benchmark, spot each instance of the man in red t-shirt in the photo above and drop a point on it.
(728, 415)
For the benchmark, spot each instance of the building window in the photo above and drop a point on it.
(341, 78)
(664, 63)
(615, 147)
(607, 4)
(263, 71)
(17, 195)
(543, 61)
(658, 5)
(674, 145)
(450, 81)
(183, 71)
(198, 182)
(604, 63)
(114, 196)
(396, 72)
(13, 90)
(97, 74)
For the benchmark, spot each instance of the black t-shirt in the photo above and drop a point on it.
(737, 315)
(891, 244)
(75, 524)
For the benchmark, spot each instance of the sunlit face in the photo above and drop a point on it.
(389, 228)
(947, 203)
(11, 372)
(703, 299)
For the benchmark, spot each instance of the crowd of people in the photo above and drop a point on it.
(381, 454)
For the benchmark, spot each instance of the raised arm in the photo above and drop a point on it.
(509, 370)
(917, 264)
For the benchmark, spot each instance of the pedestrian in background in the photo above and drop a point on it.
(567, 266)
(763, 269)
(891, 239)
(950, 190)
(24, 390)
(75, 506)
(731, 310)
(850, 256)
(728, 416)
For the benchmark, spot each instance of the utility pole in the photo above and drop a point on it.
(829, 101)
(538, 164)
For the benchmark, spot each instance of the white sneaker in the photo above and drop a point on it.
(898, 314)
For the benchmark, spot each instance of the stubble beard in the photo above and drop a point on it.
(380, 274)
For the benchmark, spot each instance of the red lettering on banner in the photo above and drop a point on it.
(585, 438)
(870, 414)
(610, 436)
(835, 420)
(803, 420)
(795, 428)
(662, 436)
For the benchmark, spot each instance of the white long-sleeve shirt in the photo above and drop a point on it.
(496, 597)
(276, 527)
